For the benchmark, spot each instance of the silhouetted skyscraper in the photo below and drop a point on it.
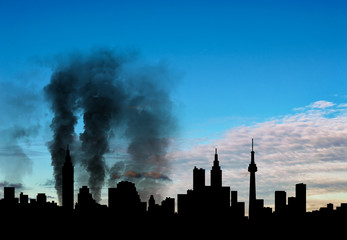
(198, 179)
(9, 193)
(216, 173)
(125, 200)
(280, 202)
(168, 206)
(237, 208)
(41, 199)
(300, 194)
(151, 204)
(252, 168)
(233, 198)
(9, 196)
(204, 200)
(85, 200)
(23, 198)
(68, 182)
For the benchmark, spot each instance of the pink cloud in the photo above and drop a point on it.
(321, 104)
(309, 147)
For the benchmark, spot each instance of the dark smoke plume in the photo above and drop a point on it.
(110, 99)
(101, 99)
(61, 92)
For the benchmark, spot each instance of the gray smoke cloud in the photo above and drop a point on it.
(19, 126)
(100, 87)
(13, 160)
(61, 93)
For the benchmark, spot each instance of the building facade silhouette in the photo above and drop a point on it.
(300, 194)
(202, 200)
(85, 200)
(214, 205)
(68, 182)
(280, 202)
(166, 209)
(216, 173)
(9, 196)
(125, 200)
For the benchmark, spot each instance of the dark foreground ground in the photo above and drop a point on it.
(95, 226)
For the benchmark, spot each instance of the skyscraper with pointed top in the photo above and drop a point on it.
(68, 182)
(205, 200)
(216, 172)
(252, 168)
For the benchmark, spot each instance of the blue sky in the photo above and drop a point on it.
(234, 64)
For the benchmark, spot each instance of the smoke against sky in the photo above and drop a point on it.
(20, 125)
(97, 87)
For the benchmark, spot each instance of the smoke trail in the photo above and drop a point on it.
(109, 99)
(150, 124)
(61, 93)
(148, 129)
(101, 98)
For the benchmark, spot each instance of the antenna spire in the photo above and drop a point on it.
(252, 144)
(67, 156)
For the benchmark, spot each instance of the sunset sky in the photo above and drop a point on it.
(275, 71)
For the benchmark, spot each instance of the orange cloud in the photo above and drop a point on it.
(156, 175)
(132, 174)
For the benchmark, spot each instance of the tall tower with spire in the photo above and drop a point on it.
(216, 172)
(68, 182)
(252, 168)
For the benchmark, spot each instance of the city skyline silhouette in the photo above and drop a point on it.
(204, 205)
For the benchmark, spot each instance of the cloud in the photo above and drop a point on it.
(14, 162)
(322, 104)
(309, 147)
(132, 174)
(157, 175)
(20, 123)
(7, 184)
(48, 183)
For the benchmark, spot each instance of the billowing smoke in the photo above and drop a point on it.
(61, 92)
(111, 99)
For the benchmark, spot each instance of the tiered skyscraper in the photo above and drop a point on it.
(252, 168)
(213, 200)
(68, 182)
(216, 172)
